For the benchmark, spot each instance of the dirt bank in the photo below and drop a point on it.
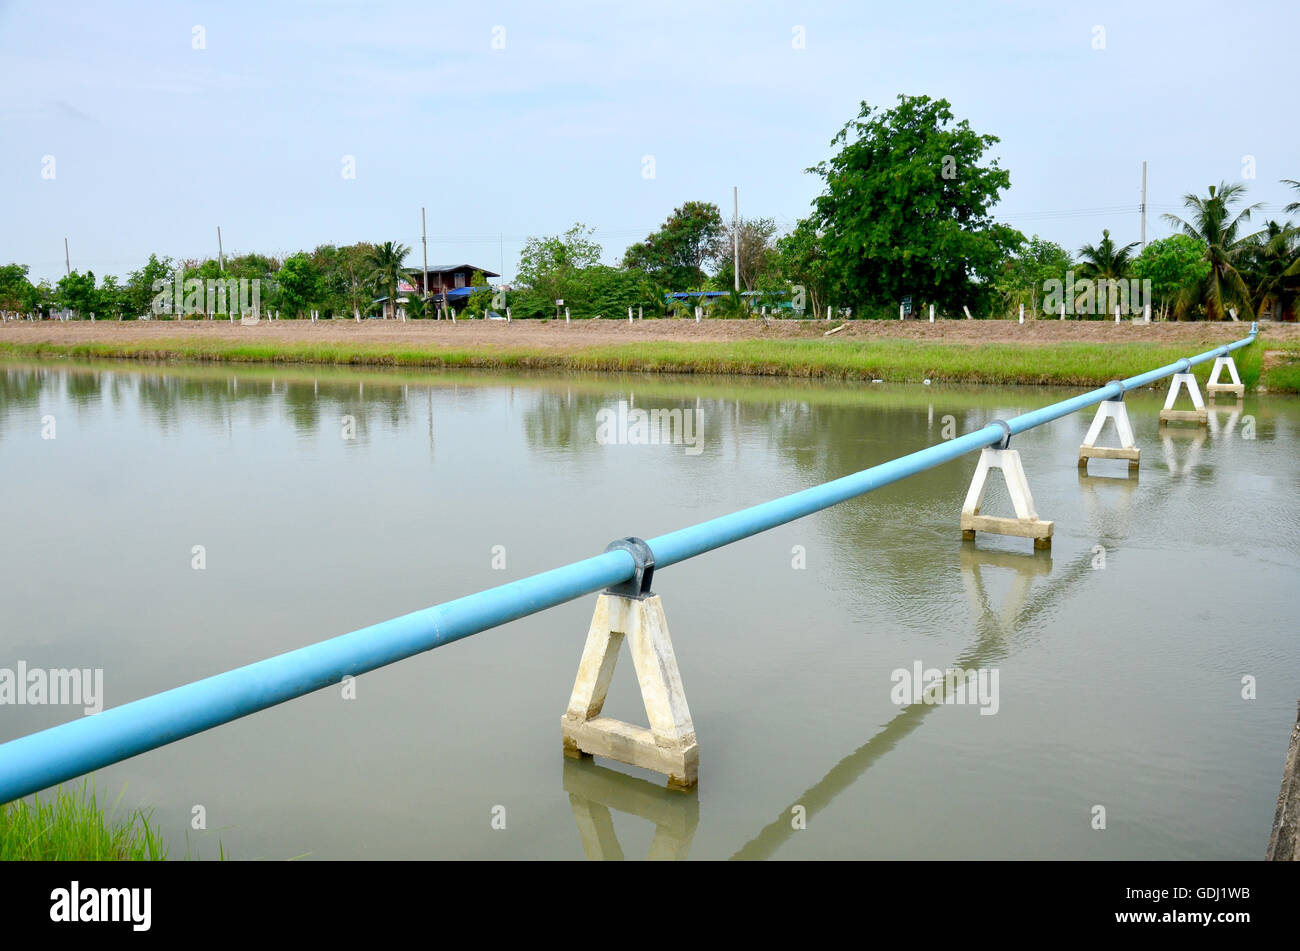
(542, 335)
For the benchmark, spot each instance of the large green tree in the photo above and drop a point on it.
(111, 299)
(299, 284)
(143, 285)
(802, 264)
(571, 251)
(1172, 265)
(610, 291)
(252, 266)
(17, 293)
(1025, 273)
(343, 271)
(905, 210)
(77, 292)
(1221, 229)
(675, 256)
(551, 266)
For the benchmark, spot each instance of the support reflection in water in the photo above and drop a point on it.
(1027, 567)
(1233, 414)
(1110, 510)
(1196, 438)
(997, 633)
(595, 790)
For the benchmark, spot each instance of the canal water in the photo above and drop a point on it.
(165, 524)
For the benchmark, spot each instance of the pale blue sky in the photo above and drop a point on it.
(155, 143)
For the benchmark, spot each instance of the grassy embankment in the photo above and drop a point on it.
(71, 826)
(1282, 376)
(1066, 363)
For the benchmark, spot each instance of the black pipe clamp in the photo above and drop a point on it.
(638, 586)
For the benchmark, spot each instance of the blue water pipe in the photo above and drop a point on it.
(43, 759)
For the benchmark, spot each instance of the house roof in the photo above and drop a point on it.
(444, 268)
(450, 294)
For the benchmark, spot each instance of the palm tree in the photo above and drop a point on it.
(417, 307)
(385, 262)
(1218, 228)
(734, 304)
(1274, 269)
(1295, 205)
(684, 306)
(656, 297)
(1105, 265)
(1104, 261)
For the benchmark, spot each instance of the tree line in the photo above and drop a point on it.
(905, 212)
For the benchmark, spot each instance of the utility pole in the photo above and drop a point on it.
(424, 242)
(735, 232)
(221, 257)
(67, 259)
(1144, 207)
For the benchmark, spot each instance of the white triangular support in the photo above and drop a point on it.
(1127, 448)
(668, 746)
(1026, 524)
(1196, 415)
(1214, 387)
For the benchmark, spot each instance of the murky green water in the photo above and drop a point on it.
(1119, 656)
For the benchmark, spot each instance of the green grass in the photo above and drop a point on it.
(71, 826)
(1065, 364)
(1284, 376)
